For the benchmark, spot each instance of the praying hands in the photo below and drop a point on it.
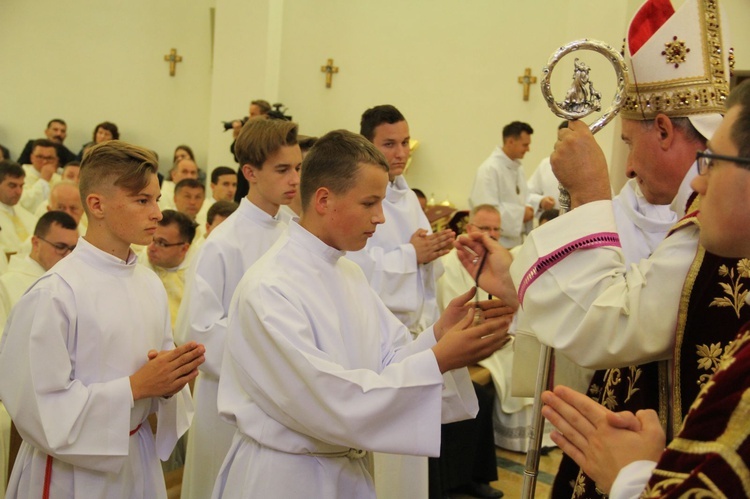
(167, 372)
(430, 247)
(600, 441)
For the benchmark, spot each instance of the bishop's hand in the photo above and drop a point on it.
(579, 164)
(495, 274)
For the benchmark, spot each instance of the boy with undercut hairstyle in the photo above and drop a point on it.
(316, 369)
(270, 161)
(87, 353)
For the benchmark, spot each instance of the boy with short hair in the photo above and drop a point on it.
(88, 353)
(270, 160)
(316, 369)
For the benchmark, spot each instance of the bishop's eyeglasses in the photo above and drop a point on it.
(60, 248)
(705, 161)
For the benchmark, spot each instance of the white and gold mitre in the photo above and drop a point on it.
(680, 63)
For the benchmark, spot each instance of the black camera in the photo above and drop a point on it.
(228, 124)
(277, 113)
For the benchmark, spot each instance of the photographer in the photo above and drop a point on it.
(258, 107)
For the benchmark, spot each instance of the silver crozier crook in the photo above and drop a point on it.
(580, 100)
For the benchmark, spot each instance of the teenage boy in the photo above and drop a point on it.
(270, 161)
(402, 259)
(402, 263)
(87, 353)
(317, 370)
(223, 187)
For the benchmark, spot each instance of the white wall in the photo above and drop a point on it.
(89, 61)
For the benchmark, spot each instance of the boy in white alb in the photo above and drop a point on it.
(270, 159)
(316, 369)
(87, 354)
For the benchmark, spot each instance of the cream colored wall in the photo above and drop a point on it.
(89, 61)
(246, 66)
(450, 67)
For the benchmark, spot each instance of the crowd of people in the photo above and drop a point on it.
(303, 324)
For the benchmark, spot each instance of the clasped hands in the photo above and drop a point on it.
(430, 247)
(167, 372)
(600, 441)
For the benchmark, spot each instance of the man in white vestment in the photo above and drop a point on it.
(41, 174)
(182, 169)
(467, 462)
(314, 376)
(54, 237)
(65, 196)
(87, 353)
(16, 223)
(456, 280)
(500, 181)
(223, 186)
(165, 255)
(401, 261)
(661, 159)
(270, 160)
(596, 333)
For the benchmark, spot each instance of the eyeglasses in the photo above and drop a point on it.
(161, 243)
(45, 158)
(60, 248)
(706, 160)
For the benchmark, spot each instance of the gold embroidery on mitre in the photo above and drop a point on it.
(697, 94)
(675, 51)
